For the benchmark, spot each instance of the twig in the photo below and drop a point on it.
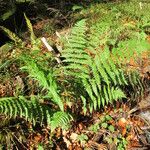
(43, 39)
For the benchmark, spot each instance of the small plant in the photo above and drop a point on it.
(121, 143)
(104, 123)
(95, 71)
(95, 127)
(82, 138)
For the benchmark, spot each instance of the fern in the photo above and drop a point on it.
(94, 67)
(34, 111)
(45, 80)
(60, 119)
(21, 107)
(30, 28)
(102, 72)
(11, 35)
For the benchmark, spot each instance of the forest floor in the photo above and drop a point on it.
(124, 126)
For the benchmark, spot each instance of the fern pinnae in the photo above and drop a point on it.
(78, 75)
(109, 72)
(3, 104)
(105, 94)
(76, 61)
(84, 104)
(110, 95)
(96, 75)
(47, 81)
(11, 35)
(78, 67)
(80, 40)
(122, 77)
(101, 69)
(75, 54)
(89, 90)
(29, 25)
(46, 112)
(94, 87)
(60, 119)
(24, 106)
(103, 100)
(96, 92)
(35, 72)
(16, 108)
(40, 112)
(117, 93)
(115, 71)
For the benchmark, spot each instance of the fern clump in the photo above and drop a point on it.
(94, 67)
(97, 56)
(47, 107)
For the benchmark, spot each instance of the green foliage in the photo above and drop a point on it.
(30, 28)
(34, 111)
(45, 79)
(95, 127)
(111, 128)
(104, 123)
(11, 35)
(94, 67)
(82, 138)
(33, 108)
(40, 147)
(21, 107)
(60, 119)
(121, 143)
(98, 51)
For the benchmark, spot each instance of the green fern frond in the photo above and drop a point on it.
(29, 25)
(60, 119)
(97, 73)
(11, 35)
(45, 80)
(31, 110)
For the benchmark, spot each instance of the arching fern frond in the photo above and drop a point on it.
(34, 111)
(31, 109)
(94, 67)
(60, 119)
(11, 35)
(30, 28)
(45, 79)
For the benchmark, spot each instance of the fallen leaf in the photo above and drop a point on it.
(73, 137)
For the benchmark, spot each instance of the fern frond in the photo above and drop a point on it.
(97, 73)
(32, 110)
(29, 25)
(45, 80)
(21, 107)
(60, 119)
(11, 35)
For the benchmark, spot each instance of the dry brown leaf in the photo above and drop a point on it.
(122, 122)
(73, 137)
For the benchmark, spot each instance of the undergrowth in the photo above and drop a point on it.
(97, 66)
